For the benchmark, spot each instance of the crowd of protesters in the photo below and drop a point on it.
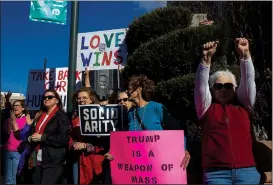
(49, 148)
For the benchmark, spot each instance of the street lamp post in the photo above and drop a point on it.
(72, 55)
(45, 63)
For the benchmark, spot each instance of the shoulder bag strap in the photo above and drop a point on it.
(139, 120)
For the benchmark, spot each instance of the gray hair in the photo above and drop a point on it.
(219, 73)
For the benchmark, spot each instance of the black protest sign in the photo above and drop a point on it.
(96, 120)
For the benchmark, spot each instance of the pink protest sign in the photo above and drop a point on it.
(147, 157)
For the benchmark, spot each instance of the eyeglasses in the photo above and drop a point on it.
(16, 105)
(48, 97)
(82, 98)
(123, 99)
(227, 86)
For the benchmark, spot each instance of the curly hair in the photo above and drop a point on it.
(147, 85)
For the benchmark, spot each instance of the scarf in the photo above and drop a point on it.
(90, 165)
(40, 121)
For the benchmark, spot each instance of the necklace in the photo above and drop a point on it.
(135, 120)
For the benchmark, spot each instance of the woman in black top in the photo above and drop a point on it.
(49, 141)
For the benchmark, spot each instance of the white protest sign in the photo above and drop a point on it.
(42, 79)
(96, 120)
(102, 50)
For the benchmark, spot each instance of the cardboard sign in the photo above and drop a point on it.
(147, 157)
(96, 120)
(102, 50)
(42, 79)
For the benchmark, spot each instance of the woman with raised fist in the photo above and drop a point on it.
(223, 111)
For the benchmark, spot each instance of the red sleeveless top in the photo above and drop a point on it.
(226, 137)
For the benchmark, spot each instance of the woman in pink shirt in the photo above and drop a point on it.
(13, 144)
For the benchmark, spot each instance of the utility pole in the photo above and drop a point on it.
(118, 73)
(45, 63)
(72, 55)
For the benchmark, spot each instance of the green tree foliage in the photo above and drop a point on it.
(170, 55)
(252, 20)
(155, 24)
(174, 53)
(163, 46)
(177, 95)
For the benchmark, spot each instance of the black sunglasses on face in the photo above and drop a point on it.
(123, 99)
(227, 86)
(48, 97)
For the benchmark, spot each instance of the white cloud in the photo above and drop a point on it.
(151, 5)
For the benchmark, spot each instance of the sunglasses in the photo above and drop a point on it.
(48, 97)
(227, 86)
(123, 99)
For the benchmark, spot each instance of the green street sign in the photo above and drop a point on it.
(53, 11)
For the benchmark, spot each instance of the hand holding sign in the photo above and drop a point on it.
(120, 68)
(87, 77)
(79, 146)
(86, 72)
(109, 156)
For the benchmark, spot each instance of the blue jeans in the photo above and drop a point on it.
(11, 161)
(76, 173)
(231, 176)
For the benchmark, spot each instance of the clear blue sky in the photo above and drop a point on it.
(25, 44)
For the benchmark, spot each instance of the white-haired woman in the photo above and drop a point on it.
(223, 112)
